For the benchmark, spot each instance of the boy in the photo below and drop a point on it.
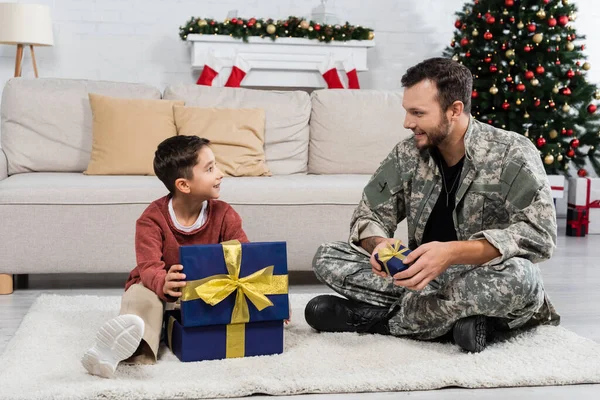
(189, 214)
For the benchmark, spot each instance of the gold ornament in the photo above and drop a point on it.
(520, 25)
(541, 14)
(570, 46)
(555, 90)
(586, 66)
(371, 35)
(526, 115)
(202, 22)
(538, 37)
(553, 134)
(557, 39)
(505, 12)
(549, 159)
(510, 53)
(559, 157)
(572, 17)
(258, 25)
(455, 57)
(518, 102)
(535, 82)
(565, 2)
(271, 29)
(597, 95)
(475, 32)
(304, 24)
(226, 21)
(566, 107)
(494, 90)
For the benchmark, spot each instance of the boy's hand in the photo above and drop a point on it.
(174, 281)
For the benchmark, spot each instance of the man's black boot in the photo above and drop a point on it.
(471, 333)
(328, 313)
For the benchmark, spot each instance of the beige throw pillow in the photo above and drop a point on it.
(237, 136)
(126, 133)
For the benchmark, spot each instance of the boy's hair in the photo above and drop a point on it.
(175, 157)
(453, 80)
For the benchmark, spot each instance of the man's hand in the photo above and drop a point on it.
(174, 281)
(428, 262)
(374, 264)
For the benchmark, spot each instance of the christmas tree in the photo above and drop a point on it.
(529, 75)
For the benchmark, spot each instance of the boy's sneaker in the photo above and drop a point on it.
(116, 341)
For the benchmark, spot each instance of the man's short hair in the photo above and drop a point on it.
(453, 80)
(176, 157)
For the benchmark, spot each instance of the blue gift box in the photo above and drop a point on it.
(390, 258)
(231, 283)
(216, 342)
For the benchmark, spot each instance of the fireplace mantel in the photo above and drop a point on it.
(285, 62)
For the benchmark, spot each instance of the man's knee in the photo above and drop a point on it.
(521, 280)
(323, 260)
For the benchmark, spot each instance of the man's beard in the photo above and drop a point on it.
(439, 134)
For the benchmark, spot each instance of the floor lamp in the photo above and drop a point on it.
(25, 25)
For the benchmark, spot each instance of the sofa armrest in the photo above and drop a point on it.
(3, 165)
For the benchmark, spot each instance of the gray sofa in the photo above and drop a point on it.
(322, 149)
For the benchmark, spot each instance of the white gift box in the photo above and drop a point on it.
(557, 184)
(585, 192)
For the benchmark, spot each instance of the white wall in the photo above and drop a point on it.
(137, 40)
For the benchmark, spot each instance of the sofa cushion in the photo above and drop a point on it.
(237, 136)
(352, 131)
(287, 115)
(76, 188)
(126, 133)
(47, 123)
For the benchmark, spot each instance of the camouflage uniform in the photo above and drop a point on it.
(504, 197)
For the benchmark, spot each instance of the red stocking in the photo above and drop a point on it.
(330, 74)
(351, 73)
(211, 69)
(239, 71)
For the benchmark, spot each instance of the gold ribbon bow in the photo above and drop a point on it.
(214, 289)
(390, 251)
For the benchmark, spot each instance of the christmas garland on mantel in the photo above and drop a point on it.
(241, 28)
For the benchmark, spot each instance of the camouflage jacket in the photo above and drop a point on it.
(504, 195)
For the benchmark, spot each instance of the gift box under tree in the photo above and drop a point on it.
(583, 214)
(234, 303)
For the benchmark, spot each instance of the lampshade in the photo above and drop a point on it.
(28, 24)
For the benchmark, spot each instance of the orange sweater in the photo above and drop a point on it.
(157, 240)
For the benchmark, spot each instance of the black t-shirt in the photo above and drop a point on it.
(440, 226)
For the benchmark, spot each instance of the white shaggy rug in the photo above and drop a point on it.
(42, 361)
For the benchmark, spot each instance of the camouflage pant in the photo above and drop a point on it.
(513, 292)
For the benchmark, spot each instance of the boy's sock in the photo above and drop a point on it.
(116, 341)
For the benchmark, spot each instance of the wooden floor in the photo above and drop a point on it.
(572, 279)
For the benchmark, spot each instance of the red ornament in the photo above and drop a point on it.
(575, 143)
(458, 24)
(592, 108)
(475, 94)
(504, 46)
(479, 15)
(521, 87)
(569, 132)
(563, 20)
(531, 27)
(251, 24)
(488, 36)
(541, 142)
(552, 22)
(566, 91)
(578, 63)
(529, 75)
(463, 41)
(547, 1)
(512, 20)
(468, 54)
(493, 68)
(582, 173)
(509, 3)
(452, 43)
(528, 48)
(317, 27)
(571, 153)
(509, 79)
(234, 20)
(540, 70)
(570, 74)
(490, 121)
(252, 20)
(557, 62)
(552, 104)
(537, 103)
(505, 105)
(490, 20)
(582, 47)
(488, 59)
(564, 131)
(212, 22)
(285, 24)
(240, 22)
(487, 15)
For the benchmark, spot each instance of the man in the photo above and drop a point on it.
(480, 216)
